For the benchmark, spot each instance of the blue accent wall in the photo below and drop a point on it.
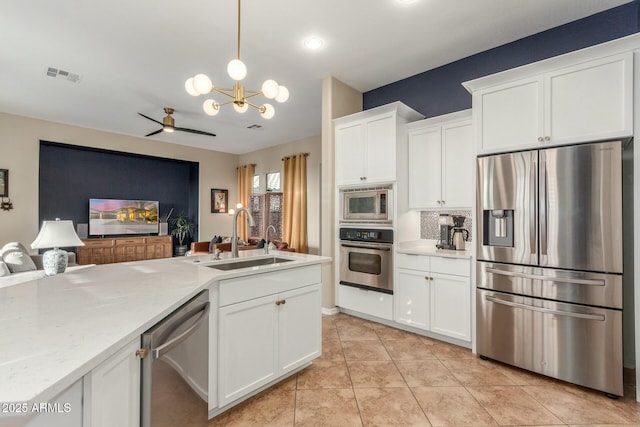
(439, 91)
(73, 174)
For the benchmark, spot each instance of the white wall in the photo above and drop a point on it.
(19, 152)
(338, 100)
(270, 160)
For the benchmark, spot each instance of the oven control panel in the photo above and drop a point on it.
(367, 235)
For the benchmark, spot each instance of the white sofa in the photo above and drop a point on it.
(20, 266)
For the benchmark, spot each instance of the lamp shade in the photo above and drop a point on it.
(56, 234)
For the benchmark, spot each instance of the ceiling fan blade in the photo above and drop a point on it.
(149, 118)
(199, 132)
(153, 133)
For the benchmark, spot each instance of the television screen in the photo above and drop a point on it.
(119, 217)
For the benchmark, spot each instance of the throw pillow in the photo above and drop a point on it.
(4, 270)
(260, 244)
(16, 257)
(212, 242)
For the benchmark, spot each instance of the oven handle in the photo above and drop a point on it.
(591, 282)
(598, 317)
(375, 248)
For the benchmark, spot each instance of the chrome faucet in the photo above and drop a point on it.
(266, 245)
(234, 238)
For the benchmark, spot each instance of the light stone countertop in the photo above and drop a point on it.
(428, 247)
(55, 330)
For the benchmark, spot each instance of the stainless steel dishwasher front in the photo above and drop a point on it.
(175, 367)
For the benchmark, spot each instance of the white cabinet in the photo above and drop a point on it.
(434, 293)
(412, 298)
(589, 101)
(371, 303)
(441, 154)
(67, 410)
(112, 390)
(268, 325)
(365, 144)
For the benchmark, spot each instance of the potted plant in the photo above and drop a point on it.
(182, 227)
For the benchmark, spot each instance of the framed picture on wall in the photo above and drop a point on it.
(4, 182)
(219, 201)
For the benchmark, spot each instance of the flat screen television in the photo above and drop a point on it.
(108, 217)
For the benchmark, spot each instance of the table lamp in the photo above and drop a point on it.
(56, 234)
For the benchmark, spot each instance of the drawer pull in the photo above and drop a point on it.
(281, 302)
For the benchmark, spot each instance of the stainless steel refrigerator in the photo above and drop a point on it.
(549, 270)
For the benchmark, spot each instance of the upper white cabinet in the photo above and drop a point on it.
(366, 144)
(592, 100)
(441, 153)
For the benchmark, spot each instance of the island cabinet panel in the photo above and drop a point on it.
(107, 251)
(248, 352)
(112, 390)
(67, 413)
(268, 325)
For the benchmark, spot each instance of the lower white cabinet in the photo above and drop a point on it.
(372, 303)
(66, 412)
(112, 390)
(434, 294)
(451, 306)
(264, 338)
(412, 298)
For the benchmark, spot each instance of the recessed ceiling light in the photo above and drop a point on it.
(313, 43)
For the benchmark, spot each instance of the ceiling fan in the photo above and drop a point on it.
(168, 125)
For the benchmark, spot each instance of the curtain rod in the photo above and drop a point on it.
(246, 166)
(299, 154)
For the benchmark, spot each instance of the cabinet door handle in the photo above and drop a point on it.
(281, 302)
(540, 139)
(547, 138)
(439, 201)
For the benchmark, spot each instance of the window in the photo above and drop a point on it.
(273, 181)
(256, 184)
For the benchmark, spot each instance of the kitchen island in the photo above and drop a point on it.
(57, 329)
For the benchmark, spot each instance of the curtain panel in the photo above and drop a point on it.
(294, 209)
(245, 187)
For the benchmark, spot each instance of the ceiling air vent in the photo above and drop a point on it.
(62, 74)
(254, 126)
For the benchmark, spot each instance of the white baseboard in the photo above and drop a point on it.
(330, 311)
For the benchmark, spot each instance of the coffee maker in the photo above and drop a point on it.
(459, 234)
(446, 226)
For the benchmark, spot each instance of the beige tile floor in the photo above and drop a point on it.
(373, 375)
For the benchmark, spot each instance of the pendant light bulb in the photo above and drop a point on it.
(237, 70)
(270, 89)
(267, 111)
(191, 90)
(283, 94)
(241, 109)
(202, 84)
(211, 107)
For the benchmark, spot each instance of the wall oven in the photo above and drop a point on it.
(371, 205)
(366, 259)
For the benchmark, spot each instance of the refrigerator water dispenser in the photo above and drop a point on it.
(498, 227)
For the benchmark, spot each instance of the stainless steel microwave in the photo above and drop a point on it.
(372, 205)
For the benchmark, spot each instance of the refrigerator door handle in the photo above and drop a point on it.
(590, 282)
(544, 204)
(598, 317)
(532, 209)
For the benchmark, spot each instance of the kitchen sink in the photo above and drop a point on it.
(235, 265)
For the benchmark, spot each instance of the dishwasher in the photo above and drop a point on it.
(175, 373)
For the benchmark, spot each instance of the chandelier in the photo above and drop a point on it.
(200, 84)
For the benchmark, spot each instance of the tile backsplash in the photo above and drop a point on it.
(430, 229)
